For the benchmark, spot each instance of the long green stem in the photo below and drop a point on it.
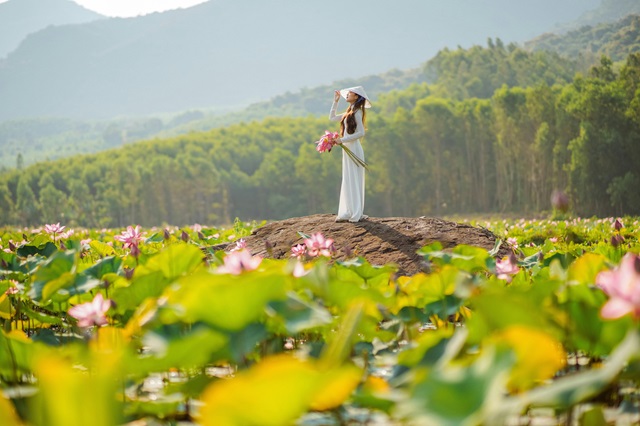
(355, 158)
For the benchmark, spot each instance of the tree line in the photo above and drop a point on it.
(430, 153)
(614, 39)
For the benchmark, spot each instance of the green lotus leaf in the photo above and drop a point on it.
(228, 302)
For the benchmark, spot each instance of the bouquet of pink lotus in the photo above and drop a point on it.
(328, 141)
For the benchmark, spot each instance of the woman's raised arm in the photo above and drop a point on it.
(334, 108)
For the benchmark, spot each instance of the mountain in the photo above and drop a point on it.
(230, 53)
(18, 18)
(607, 11)
(615, 40)
(38, 139)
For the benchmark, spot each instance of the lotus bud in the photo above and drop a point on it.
(617, 240)
(184, 236)
(560, 201)
(166, 234)
(617, 225)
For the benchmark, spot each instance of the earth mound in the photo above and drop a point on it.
(379, 240)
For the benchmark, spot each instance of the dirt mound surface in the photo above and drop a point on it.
(379, 240)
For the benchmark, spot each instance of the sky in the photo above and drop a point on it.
(127, 8)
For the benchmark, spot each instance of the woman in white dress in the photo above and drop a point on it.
(351, 205)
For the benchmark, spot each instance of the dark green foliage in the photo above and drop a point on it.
(616, 40)
(477, 72)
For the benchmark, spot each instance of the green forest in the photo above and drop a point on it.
(615, 40)
(433, 149)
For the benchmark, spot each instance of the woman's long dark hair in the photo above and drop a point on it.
(349, 116)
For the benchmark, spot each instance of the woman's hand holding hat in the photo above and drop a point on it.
(336, 96)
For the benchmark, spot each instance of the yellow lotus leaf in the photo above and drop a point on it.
(109, 339)
(5, 307)
(538, 355)
(8, 415)
(145, 313)
(20, 336)
(92, 392)
(274, 392)
(335, 386)
(375, 384)
(585, 269)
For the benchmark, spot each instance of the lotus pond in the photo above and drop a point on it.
(155, 326)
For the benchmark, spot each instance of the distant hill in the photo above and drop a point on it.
(315, 101)
(18, 18)
(607, 11)
(38, 139)
(615, 40)
(230, 53)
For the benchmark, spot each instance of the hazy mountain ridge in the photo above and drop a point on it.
(210, 54)
(19, 18)
(608, 11)
(307, 101)
(615, 40)
(49, 138)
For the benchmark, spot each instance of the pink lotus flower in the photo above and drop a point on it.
(91, 313)
(506, 267)
(241, 244)
(622, 285)
(327, 141)
(299, 270)
(54, 228)
(513, 242)
(317, 245)
(130, 237)
(299, 250)
(553, 239)
(66, 235)
(12, 290)
(236, 262)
